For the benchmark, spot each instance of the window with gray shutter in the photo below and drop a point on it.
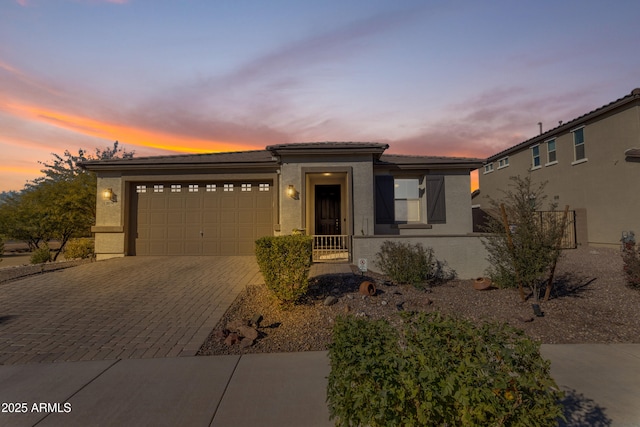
(436, 208)
(384, 199)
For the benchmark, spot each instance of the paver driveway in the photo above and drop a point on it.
(133, 307)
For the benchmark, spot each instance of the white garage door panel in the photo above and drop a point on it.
(201, 222)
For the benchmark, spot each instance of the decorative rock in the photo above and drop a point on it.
(383, 302)
(221, 334)
(255, 320)
(248, 332)
(232, 339)
(330, 300)
(361, 314)
(246, 342)
(234, 325)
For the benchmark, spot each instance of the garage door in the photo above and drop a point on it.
(213, 218)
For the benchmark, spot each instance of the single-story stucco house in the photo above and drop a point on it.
(349, 195)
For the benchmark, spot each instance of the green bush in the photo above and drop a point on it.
(41, 255)
(406, 263)
(438, 371)
(79, 248)
(284, 262)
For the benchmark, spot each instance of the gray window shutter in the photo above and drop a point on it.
(384, 199)
(436, 209)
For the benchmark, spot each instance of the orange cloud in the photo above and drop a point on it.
(126, 134)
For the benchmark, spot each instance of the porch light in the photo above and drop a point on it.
(291, 191)
(107, 194)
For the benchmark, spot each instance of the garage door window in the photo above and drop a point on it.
(158, 188)
(246, 187)
(228, 187)
(264, 187)
(193, 188)
(141, 188)
(211, 187)
(176, 188)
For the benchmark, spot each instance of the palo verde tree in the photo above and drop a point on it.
(523, 245)
(58, 205)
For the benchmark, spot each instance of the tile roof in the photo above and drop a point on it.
(634, 96)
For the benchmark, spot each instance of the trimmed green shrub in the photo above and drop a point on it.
(405, 263)
(284, 262)
(438, 371)
(79, 248)
(41, 255)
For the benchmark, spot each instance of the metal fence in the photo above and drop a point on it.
(331, 248)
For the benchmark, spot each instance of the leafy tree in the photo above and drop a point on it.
(525, 249)
(58, 205)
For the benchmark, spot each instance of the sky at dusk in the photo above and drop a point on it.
(450, 78)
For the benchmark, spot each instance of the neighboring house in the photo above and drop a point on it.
(350, 196)
(590, 164)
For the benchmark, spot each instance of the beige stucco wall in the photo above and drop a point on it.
(464, 253)
(109, 229)
(604, 185)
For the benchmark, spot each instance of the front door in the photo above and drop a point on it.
(328, 209)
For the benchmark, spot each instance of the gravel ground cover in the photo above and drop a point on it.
(590, 304)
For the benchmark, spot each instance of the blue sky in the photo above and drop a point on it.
(428, 77)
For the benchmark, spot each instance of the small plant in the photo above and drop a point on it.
(438, 371)
(41, 255)
(405, 263)
(284, 262)
(631, 260)
(82, 248)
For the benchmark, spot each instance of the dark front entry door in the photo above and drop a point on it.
(328, 209)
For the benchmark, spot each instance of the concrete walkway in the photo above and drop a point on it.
(287, 389)
(134, 307)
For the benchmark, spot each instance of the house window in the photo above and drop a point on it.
(406, 200)
(228, 187)
(503, 163)
(488, 168)
(193, 188)
(211, 187)
(176, 188)
(551, 152)
(158, 188)
(535, 157)
(141, 188)
(578, 145)
(264, 187)
(246, 187)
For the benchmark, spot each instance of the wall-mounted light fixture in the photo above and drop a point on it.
(291, 191)
(108, 195)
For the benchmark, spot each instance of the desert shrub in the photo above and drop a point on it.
(438, 371)
(284, 262)
(631, 261)
(79, 248)
(41, 255)
(535, 241)
(406, 263)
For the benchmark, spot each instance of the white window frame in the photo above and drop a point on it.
(245, 187)
(263, 186)
(503, 162)
(577, 161)
(488, 168)
(210, 188)
(193, 188)
(158, 188)
(141, 188)
(554, 151)
(533, 158)
(176, 188)
(411, 203)
(228, 187)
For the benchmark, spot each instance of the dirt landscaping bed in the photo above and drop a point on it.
(590, 304)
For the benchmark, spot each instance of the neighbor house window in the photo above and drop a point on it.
(176, 188)
(228, 187)
(406, 199)
(211, 187)
(264, 187)
(488, 168)
(141, 188)
(503, 163)
(551, 152)
(158, 188)
(578, 145)
(193, 188)
(246, 187)
(535, 157)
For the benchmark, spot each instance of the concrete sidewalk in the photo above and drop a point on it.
(288, 389)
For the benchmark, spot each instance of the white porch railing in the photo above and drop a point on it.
(331, 248)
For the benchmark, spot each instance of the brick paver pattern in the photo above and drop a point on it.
(124, 308)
